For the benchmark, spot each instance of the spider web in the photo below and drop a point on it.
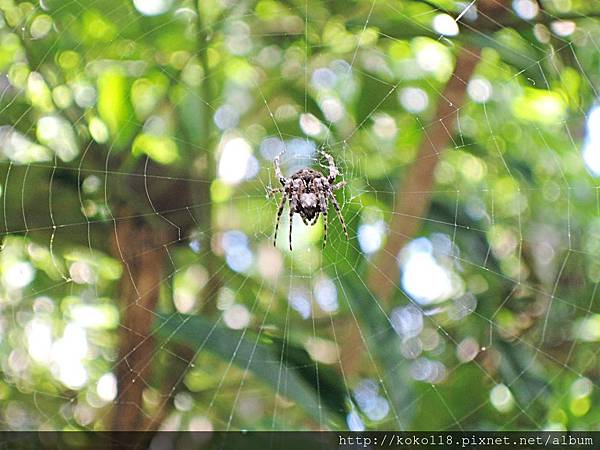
(467, 308)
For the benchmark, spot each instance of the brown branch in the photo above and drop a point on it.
(413, 192)
(140, 248)
(413, 197)
(202, 168)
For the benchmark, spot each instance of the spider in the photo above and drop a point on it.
(308, 192)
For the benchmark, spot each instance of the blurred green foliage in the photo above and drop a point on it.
(115, 112)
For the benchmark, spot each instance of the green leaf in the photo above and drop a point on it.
(517, 54)
(383, 343)
(539, 105)
(285, 367)
(161, 149)
(517, 370)
(380, 339)
(114, 106)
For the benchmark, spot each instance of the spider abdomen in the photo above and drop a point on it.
(309, 206)
(308, 200)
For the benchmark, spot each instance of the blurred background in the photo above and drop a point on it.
(139, 285)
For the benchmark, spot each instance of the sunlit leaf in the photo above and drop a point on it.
(114, 106)
(161, 149)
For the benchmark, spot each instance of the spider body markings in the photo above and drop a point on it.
(308, 192)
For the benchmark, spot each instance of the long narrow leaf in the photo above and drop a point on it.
(290, 375)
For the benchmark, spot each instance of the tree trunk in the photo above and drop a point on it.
(413, 193)
(141, 249)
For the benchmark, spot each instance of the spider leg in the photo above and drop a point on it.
(339, 185)
(291, 222)
(293, 208)
(324, 205)
(278, 173)
(321, 190)
(324, 228)
(271, 191)
(336, 205)
(279, 211)
(333, 172)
